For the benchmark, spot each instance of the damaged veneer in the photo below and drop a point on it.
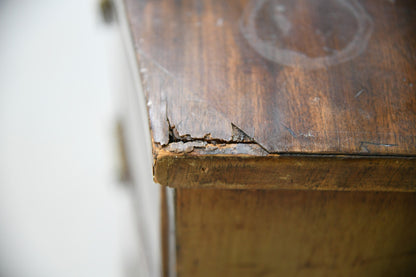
(241, 163)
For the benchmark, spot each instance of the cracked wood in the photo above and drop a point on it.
(350, 77)
(215, 102)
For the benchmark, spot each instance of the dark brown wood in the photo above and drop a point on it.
(301, 76)
(295, 233)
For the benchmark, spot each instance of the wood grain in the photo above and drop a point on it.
(295, 233)
(192, 170)
(315, 77)
(164, 234)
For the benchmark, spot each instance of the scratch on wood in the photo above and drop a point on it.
(145, 55)
(290, 131)
(364, 145)
(309, 134)
(359, 93)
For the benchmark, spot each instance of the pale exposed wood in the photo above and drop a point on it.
(295, 233)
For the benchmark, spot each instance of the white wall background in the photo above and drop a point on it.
(62, 212)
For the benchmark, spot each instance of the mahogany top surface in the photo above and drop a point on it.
(313, 77)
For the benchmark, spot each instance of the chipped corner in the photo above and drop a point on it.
(195, 152)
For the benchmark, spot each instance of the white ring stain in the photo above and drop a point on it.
(298, 59)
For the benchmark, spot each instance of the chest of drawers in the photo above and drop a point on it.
(281, 136)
